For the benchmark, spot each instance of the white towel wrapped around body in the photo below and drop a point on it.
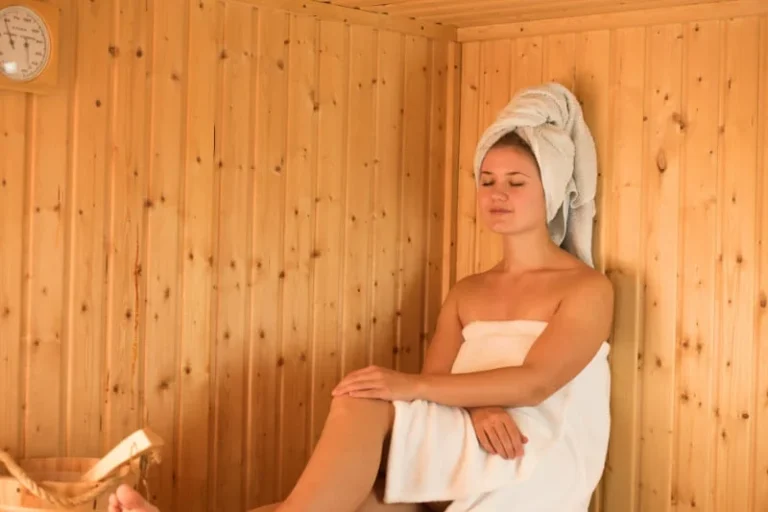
(435, 455)
(549, 118)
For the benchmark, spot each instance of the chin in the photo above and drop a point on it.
(506, 228)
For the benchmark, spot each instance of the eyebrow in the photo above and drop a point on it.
(511, 173)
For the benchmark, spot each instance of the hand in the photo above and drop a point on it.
(497, 432)
(379, 383)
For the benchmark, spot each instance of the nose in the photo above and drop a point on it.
(498, 194)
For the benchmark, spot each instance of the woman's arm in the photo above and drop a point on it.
(446, 341)
(569, 342)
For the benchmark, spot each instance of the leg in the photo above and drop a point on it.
(342, 469)
(373, 503)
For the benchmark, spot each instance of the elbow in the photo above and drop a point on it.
(539, 388)
(536, 394)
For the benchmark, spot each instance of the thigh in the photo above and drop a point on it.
(375, 502)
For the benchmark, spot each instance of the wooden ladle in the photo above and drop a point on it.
(133, 446)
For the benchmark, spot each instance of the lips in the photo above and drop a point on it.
(500, 210)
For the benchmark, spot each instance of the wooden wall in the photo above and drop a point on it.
(223, 209)
(680, 113)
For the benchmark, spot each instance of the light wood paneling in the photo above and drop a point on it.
(677, 111)
(224, 208)
(659, 14)
(463, 13)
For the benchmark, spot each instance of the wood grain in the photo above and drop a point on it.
(178, 244)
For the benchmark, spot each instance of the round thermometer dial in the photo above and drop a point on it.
(25, 43)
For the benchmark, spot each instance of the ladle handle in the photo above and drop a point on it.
(133, 446)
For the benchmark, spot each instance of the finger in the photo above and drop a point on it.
(493, 437)
(485, 443)
(114, 506)
(482, 437)
(355, 376)
(375, 394)
(507, 440)
(515, 436)
(361, 384)
(130, 499)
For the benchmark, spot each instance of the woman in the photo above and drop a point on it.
(536, 282)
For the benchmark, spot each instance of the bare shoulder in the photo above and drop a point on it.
(466, 285)
(590, 292)
(592, 281)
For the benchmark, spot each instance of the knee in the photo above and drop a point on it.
(344, 407)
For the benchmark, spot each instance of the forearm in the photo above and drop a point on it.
(517, 386)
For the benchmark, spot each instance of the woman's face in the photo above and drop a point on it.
(510, 193)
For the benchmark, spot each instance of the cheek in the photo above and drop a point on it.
(484, 196)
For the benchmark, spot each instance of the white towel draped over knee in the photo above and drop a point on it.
(550, 119)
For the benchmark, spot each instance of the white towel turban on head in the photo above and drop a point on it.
(549, 118)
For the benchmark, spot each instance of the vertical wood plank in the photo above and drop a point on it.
(413, 234)
(46, 173)
(299, 212)
(267, 246)
(760, 487)
(695, 359)
(592, 87)
(437, 174)
(451, 178)
(662, 172)
(168, 68)
(195, 344)
(495, 94)
(386, 211)
(13, 135)
(735, 359)
(359, 206)
(559, 57)
(626, 260)
(233, 251)
(84, 338)
(466, 218)
(127, 235)
(329, 218)
(528, 62)
(51, 147)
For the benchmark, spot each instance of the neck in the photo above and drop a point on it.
(527, 251)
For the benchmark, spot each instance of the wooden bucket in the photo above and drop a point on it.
(76, 484)
(60, 477)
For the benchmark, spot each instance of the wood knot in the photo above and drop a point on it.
(661, 161)
(679, 121)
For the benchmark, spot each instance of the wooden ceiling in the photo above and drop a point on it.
(473, 13)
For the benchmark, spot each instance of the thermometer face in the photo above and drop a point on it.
(25, 43)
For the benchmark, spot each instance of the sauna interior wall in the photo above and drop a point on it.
(680, 116)
(222, 209)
